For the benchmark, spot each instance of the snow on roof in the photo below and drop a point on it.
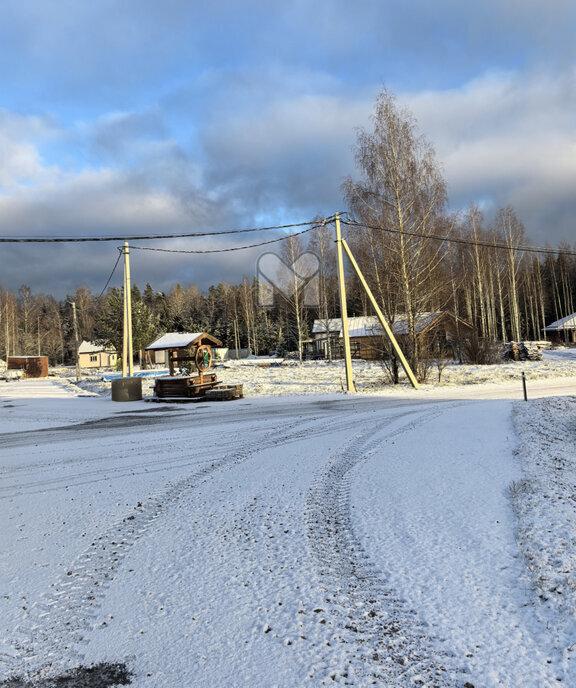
(567, 323)
(92, 348)
(369, 325)
(174, 340)
(182, 340)
(331, 324)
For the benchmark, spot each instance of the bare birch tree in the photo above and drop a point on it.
(400, 200)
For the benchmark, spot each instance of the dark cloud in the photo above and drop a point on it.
(147, 117)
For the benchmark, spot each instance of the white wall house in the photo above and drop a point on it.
(93, 355)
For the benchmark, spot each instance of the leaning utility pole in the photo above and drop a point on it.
(387, 329)
(127, 351)
(343, 309)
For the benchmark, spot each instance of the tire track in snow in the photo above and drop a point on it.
(385, 641)
(29, 479)
(112, 425)
(49, 637)
(34, 480)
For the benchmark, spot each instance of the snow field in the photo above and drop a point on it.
(362, 540)
(544, 503)
(275, 377)
(435, 513)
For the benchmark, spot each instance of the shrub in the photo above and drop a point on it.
(481, 351)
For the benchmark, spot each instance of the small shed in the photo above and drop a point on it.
(31, 366)
(182, 346)
(563, 330)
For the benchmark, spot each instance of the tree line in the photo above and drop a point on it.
(417, 256)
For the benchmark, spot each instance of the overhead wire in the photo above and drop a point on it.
(120, 253)
(143, 237)
(459, 240)
(223, 250)
(315, 224)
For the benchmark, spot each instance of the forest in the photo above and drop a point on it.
(417, 256)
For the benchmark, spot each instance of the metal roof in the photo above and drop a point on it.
(92, 348)
(182, 340)
(369, 325)
(567, 323)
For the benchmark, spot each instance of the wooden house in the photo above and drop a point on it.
(563, 330)
(369, 341)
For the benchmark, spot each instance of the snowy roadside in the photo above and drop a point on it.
(545, 505)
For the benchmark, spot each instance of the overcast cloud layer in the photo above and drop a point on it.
(143, 117)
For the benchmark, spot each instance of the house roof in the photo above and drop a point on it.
(567, 323)
(324, 325)
(92, 348)
(369, 325)
(182, 340)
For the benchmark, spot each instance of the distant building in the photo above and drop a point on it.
(367, 335)
(91, 355)
(29, 366)
(563, 330)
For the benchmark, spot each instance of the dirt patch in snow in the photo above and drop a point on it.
(100, 675)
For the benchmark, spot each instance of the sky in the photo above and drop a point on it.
(135, 117)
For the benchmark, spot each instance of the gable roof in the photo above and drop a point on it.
(92, 348)
(182, 340)
(567, 323)
(369, 325)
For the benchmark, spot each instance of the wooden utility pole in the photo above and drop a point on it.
(127, 350)
(7, 332)
(343, 309)
(76, 343)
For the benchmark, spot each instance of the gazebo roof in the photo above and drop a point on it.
(182, 340)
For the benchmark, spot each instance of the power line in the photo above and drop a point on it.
(118, 237)
(469, 242)
(112, 273)
(224, 250)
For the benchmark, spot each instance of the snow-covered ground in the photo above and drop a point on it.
(391, 538)
(278, 377)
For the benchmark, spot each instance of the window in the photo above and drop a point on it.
(93, 358)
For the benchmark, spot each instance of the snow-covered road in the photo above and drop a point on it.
(269, 542)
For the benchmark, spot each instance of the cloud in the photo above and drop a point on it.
(509, 138)
(163, 117)
(291, 154)
(149, 186)
(125, 54)
(20, 160)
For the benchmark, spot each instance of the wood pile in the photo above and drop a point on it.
(523, 351)
(184, 386)
(224, 393)
(193, 388)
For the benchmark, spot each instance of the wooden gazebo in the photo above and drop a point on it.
(188, 350)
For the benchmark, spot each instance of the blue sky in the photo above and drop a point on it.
(135, 116)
